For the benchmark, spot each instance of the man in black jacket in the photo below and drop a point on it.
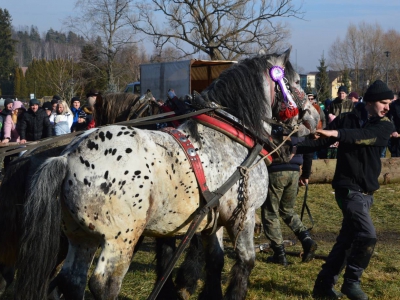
(35, 123)
(362, 134)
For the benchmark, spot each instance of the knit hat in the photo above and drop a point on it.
(54, 101)
(18, 105)
(75, 99)
(8, 101)
(353, 94)
(378, 91)
(33, 102)
(48, 105)
(343, 88)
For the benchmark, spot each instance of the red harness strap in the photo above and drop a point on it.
(232, 132)
(191, 155)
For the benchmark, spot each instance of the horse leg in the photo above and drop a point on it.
(214, 257)
(112, 265)
(71, 280)
(165, 248)
(245, 260)
(191, 268)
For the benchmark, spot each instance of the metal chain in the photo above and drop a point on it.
(243, 205)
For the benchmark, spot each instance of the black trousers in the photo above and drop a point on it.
(355, 240)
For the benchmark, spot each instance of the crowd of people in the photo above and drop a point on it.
(21, 125)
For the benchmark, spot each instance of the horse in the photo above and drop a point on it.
(120, 182)
(113, 108)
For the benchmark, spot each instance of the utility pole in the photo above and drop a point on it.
(387, 66)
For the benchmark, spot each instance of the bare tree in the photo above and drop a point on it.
(108, 20)
(362, 52)
(223, 29)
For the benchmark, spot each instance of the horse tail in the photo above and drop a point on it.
(41, 230)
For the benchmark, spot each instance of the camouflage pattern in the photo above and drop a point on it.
(282, 193)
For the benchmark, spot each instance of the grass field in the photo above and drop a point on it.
(268, 281)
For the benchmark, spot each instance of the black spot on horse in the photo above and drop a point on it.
(92, 166)
(138, 172)
(119, 133)
(109, 135)
(105, 152)
(126, 172)
(146, 177)
(106, 175)
(87, 164)
(85, 181)
(82, 160)
(114, 151)
(128, 150)
(102, 136)
(119, 157)
(105, 187)
(92, 145)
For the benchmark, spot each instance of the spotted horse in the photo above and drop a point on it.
(121, 182)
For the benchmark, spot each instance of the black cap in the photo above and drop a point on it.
(33, 102)
(47, 105)
(343, 88)
(56, 97)
(73, 99)
(378, 91)
(92, 93)
(8, 101)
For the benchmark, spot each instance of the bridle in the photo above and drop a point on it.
(277, 97)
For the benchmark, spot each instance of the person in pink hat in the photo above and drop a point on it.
(11, 133)
(10, 124)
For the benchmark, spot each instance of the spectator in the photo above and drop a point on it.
(35, 123)
(54, 102)
(62, 119)
(79, 116)
(394, 115)
(11, 133)
(353, 97)
(284, 179)
(89, 108)
(362, 134)
(340, 104)
(48, 107)
(8, 104)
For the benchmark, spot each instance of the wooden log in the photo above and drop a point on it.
(322, 170)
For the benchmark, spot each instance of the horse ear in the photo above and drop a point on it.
(286, 55)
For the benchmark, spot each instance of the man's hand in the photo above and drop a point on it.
(22, 141)
(327, 133)
(303, 181)
(395, 134)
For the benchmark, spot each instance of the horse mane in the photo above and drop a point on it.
(114, 107)
(241, 90)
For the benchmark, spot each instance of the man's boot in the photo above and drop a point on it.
(309, 246)
(323, 289)
(357, 262)
(279, 256)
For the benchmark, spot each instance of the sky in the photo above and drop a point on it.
(324, 21)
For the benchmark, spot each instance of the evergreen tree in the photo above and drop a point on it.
(322, 84)
(7, 52)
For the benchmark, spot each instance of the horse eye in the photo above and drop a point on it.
(298, 82)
